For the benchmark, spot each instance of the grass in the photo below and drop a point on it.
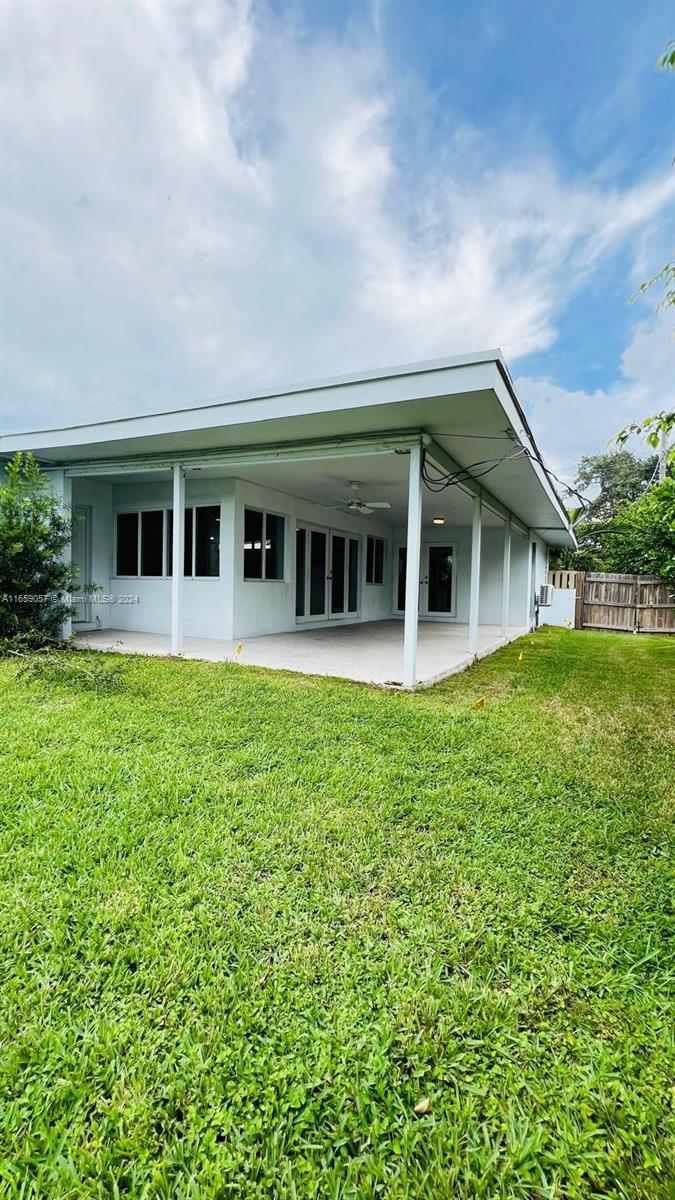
(251, 920)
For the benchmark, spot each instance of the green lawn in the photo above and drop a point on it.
(251, 920)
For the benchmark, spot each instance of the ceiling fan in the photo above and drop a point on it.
(356, 505)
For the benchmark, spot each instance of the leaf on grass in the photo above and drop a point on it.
(480, 703)
(520, 657)
(423, 1107)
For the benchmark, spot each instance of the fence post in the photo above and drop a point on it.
(580, 585)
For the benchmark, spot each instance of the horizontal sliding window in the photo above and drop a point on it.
(264, 535)
(145, 542)
(140, 543)
(201, 542)
(375, 560)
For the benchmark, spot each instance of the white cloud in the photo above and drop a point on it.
(202, 197)
(570, 423)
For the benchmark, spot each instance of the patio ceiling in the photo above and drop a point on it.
(382, 476)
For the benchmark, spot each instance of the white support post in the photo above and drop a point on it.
(412, 573)
(177, 559)
(506, 578)
(474, 591)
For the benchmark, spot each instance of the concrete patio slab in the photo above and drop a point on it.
(370, 652)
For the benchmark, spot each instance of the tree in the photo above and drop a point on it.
(620, 478)
(656, 431)
(35, 530)
(641, 538)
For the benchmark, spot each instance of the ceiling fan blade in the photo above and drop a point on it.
(364, 510)
(344, 500)
(377, 503)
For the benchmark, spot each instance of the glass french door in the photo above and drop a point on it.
(326, 574)
(437, 580)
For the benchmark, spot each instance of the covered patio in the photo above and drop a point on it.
(366, 653)
(388, 527)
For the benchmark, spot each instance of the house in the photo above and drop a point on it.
(387, 526)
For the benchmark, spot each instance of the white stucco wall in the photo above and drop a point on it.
(231, 607)
(492, 558)
(269, 606)
(98, 497)
(562, 610)
(207, 602)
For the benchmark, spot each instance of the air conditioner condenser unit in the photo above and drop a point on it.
(545, 595)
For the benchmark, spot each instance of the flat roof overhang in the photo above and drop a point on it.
(467, 407)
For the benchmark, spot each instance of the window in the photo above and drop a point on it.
(253, 537)
(201, 542)
(145, 542)
(263, 545)
(152, 543)
(140, 543)
(207, 540)
(274, 546)
(127, 543)
(375, 560)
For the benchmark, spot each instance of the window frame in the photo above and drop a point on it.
(374, 538)
(263, 577)
(165, 510)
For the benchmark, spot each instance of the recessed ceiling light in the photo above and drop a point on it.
(439, 520)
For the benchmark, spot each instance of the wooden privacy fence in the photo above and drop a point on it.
(564, 579)
(632, 603)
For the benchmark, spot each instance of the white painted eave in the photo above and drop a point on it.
(472, 389)
(411, 381)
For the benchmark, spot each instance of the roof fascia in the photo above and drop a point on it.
(506, 394)
(432, 366)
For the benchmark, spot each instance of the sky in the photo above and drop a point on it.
(205, 197)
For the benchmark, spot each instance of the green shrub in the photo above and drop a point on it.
(35, 579)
